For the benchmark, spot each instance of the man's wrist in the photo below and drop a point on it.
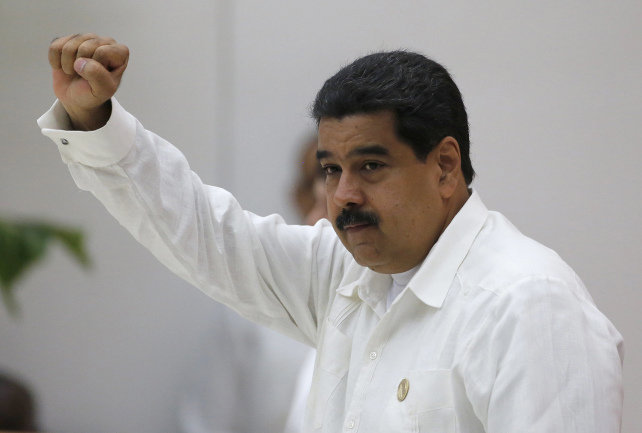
(89, 120)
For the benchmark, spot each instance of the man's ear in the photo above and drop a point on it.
(449, 160)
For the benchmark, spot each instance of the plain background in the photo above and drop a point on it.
(553, 93)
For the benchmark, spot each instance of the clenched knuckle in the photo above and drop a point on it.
(56, 44)
(103, 40)
(68, 48)
(54, 50)
(84, 50)
(100, 53)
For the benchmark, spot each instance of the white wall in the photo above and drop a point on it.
(553, 94)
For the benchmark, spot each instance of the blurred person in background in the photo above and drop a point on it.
(309, 190)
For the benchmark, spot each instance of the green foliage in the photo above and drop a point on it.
(22, 244)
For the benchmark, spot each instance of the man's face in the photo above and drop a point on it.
(384, 203)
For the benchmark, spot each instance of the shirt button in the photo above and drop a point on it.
(64, 141)
(351, 425)
(373, 355)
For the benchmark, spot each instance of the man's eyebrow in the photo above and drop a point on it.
(373, 149)
(323, 154)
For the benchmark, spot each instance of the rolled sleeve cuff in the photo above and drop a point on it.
(99, 148)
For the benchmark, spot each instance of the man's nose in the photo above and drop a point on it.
(349, 192)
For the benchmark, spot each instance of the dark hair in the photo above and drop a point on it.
(420, 92)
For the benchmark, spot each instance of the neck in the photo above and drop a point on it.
(454, 204)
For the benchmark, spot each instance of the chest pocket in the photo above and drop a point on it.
(334, 363)
(424, 404)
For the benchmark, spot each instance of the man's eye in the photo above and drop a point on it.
(371, 166)
(330, 169)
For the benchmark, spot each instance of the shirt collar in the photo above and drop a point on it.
(371, 287)
(435, 275)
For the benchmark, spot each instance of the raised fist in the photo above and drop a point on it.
(87, 70)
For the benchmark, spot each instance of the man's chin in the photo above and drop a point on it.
(367, 256)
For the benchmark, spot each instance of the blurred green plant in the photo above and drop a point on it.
(23, 244)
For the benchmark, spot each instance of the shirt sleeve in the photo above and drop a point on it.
(546, 361)
(272, 273)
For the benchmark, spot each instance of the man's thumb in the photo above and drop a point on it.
(79, 65)
(103, 86)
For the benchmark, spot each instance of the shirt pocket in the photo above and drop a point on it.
(427, 406)
(334, 362)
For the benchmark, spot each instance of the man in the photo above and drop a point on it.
(429, 312)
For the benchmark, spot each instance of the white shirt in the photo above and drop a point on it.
(493, 333)
(399, 282)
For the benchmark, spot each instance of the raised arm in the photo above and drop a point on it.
(274, 274)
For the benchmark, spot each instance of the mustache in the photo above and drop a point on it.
(355, 216)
